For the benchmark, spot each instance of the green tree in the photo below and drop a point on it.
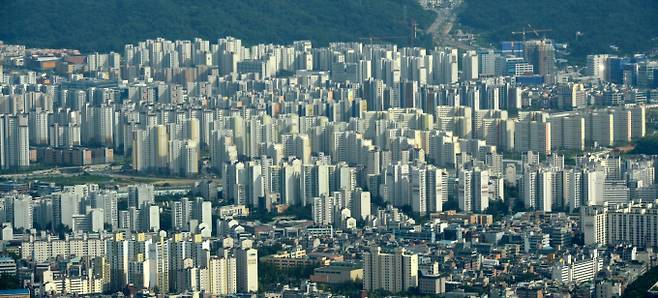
(108, 25)
(8, 281)
(628, 24)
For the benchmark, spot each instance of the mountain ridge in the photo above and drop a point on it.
(108, 25)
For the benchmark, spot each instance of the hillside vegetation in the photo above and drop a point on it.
(628, 24)
(108, 24)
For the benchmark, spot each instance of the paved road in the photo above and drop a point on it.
(442, 27)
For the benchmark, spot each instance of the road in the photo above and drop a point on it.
(105, 170)
(152, 180)
(442, 26)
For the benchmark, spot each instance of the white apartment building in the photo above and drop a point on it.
(632, 223)
(576, 270)
(394, 272)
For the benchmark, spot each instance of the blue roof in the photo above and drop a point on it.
(12, 292)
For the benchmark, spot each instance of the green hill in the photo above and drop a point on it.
(109, 24)
(628, 24)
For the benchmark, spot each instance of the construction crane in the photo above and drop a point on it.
(413, 30)
(530, 29)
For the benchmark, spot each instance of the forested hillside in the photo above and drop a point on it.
(631, 25)
(108, 24)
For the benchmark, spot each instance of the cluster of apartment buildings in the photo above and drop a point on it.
(373, 141)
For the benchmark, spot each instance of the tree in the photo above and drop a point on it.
(269, 275)
(349, 289)
(629, 24)
(498, 208)
(300, 212)
(108, 25)
(269, 250)
(451, 205)
(642, 284)
(261, 215)
(62, 230)
(8, 281)
(647, 145)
